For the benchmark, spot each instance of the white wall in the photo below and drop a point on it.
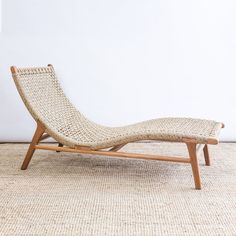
(123, 61)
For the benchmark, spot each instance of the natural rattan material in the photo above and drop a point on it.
(44, 98)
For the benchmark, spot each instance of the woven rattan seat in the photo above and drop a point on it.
(45, 100)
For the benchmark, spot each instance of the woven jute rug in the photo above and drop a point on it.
(73, 194)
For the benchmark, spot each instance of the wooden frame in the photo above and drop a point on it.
(193, 149)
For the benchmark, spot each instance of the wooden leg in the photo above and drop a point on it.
(206, 155)
(59, 145)
(37, 135)
(194, 164)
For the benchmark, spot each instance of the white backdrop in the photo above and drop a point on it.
(123, 61)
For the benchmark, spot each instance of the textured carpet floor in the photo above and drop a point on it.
(71, 194)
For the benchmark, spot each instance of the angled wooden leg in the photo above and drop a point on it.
(206, 155)
(59, 145)
(36, 138)
(194, 164)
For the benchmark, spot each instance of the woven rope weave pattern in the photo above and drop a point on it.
(45, 100)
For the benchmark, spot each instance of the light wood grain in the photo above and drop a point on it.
(206, 155)
(194, 163)
(115, 154)
(36, 138)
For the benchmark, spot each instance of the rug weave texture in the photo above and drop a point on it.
(73, 194)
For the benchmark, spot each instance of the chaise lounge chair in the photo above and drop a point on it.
(56, 117)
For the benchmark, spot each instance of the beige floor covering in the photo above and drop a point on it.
(71, 194)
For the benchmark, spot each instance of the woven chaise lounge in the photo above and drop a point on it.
(56, 117)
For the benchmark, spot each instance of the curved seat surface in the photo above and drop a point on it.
(44, 98)
(167, 129)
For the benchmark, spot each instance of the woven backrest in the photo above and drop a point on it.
(45, 100)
